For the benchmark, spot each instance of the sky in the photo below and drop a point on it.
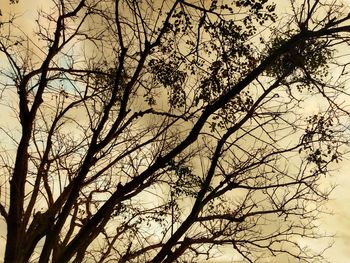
(337, 223)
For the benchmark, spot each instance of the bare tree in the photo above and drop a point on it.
(165, 131)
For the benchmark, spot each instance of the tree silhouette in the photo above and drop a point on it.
(165, 131)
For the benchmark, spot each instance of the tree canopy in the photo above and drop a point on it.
(170, 131)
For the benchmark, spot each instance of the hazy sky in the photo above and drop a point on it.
(338, 223)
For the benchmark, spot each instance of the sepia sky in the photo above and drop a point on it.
(338, 223)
